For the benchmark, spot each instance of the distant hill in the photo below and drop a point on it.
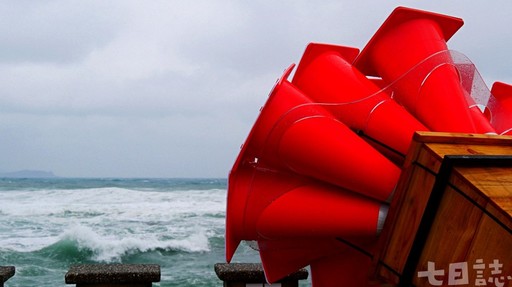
(28, 174)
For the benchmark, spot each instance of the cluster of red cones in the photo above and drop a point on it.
(313, 180)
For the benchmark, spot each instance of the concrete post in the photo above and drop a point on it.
(252, 275)
(118, 275)
(6, 272)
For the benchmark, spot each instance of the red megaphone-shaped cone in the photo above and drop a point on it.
(349, 268)
(299, 228)
(294, 141)
(325, 149)
(251, 188)
(316, 211)
(409, 52)
(283, 256)
(500, 105)
(325, 73)
(239, 183)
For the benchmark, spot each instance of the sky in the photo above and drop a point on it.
(126, 88)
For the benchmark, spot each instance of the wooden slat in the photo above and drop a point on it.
(494, 183)
(451, 234)
(403, 229)
(455, 223)
(491, 242)
(461, 138)
(442, 149)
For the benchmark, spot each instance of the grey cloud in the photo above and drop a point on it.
(54, 31)
(172, 88)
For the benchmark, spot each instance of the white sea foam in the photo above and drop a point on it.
(110, 248)
(111, 222)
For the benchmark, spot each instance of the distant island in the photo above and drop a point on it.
(28, 174)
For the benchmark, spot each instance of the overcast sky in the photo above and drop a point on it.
(172, 88)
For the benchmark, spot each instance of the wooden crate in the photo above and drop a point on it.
(452, 208)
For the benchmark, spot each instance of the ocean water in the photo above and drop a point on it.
(46, 225)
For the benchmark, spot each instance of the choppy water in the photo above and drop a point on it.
(46, 225)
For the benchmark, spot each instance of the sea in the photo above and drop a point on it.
(49, 224)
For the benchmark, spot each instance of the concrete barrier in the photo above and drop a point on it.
(252, 275)
(119, 275)
(6, 272)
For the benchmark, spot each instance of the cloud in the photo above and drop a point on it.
(53, 31)
(172, 88)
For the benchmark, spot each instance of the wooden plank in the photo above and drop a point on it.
(461, 138)
(499, 214)
(429, 159)
(399, 238)
(443, 149)
(453, 228)
(465, 187)
(445, 245)
(491, 243)
(494, 183)
(451, 234)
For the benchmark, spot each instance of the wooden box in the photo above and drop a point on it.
(450, 221)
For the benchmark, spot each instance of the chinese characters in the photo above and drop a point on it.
(458, 274)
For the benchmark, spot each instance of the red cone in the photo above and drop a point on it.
(500, 105)
(292, 143)
(409, 51)
(326, 75)
(316, 211)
